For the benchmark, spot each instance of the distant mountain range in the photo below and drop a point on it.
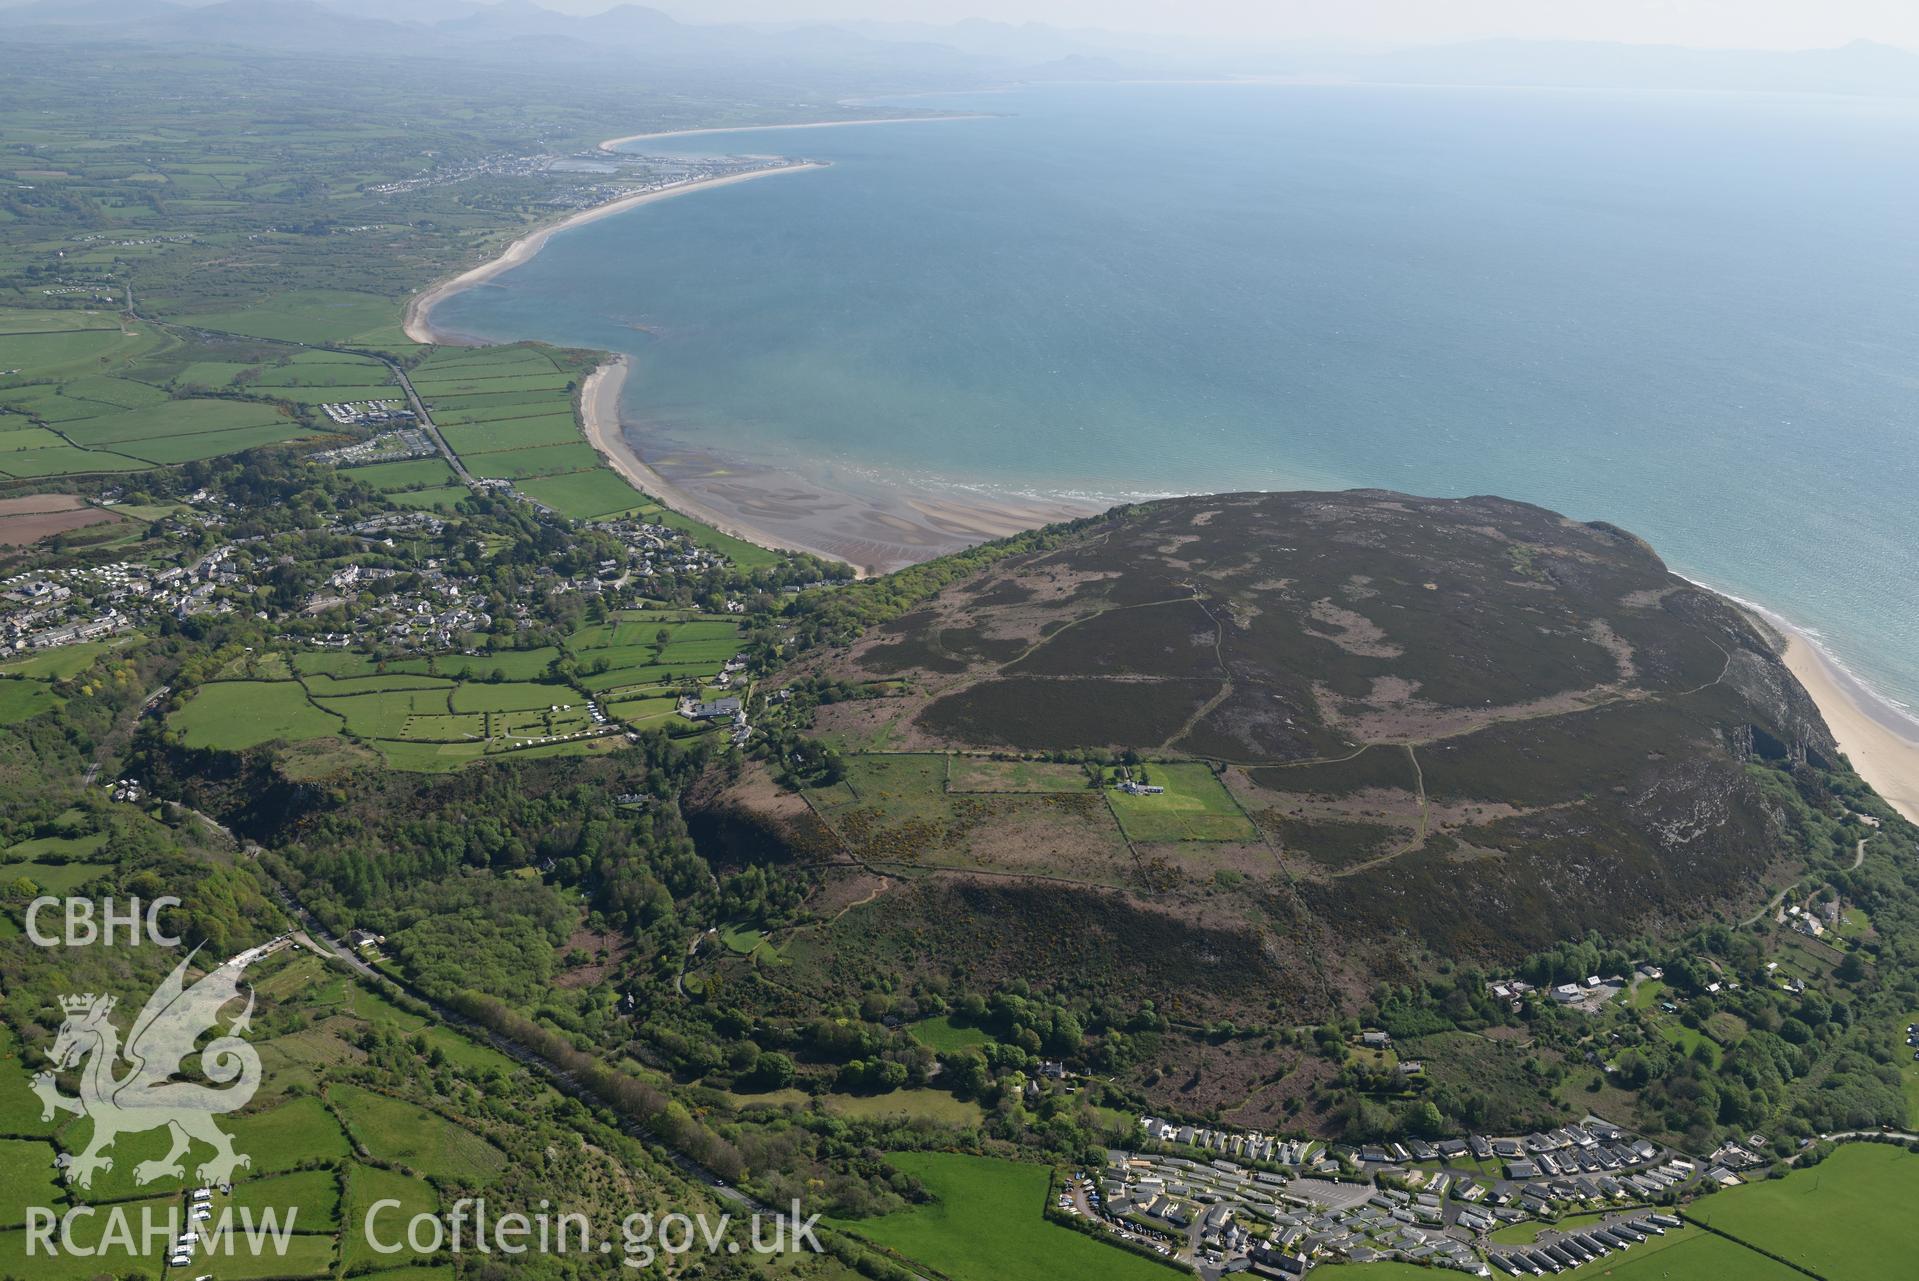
(963, 53)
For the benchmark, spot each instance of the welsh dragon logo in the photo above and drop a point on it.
(146, 1096)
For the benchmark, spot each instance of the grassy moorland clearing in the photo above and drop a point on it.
(60, 664)
(921, 1105)
(894, 808)
(1849, 1218)
(409, 1135)
(982, 774)
(946, 1035)
(986, 1224)
(53, 878)
(21, 699)
(1194, 807)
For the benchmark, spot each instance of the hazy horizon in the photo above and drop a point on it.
(1777, 25)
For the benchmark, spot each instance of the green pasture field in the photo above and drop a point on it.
(405, 474)
(1194, 807)
(303, 315)
(323, 686)
(943, 1035)
(458, 410)
(312, 1197)
(117, 393)
(62, 847)
(186, 449)
(33, 464)
(367, 1185)
(513, 696)
(920, 1105)
(53, 878)
(18, 1259)
(171, 419)
(440, 498)
(430, 386)
(303, 1256)
(405, 1134)
(232, 715)
(513, 433)
(645, 677)
(638, 711)
(978, 774)
(58, 351)
(539, 460)
(21, 699)
(19, 1107)
(27, 1176)
(386, 714)
(586, 495)
(512, 664)
(16, 439)
(1849, 1218)
(339, 392)
(987, 1223)
(211, 374)
(341, 370)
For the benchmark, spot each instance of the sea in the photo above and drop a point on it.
(1692, 315)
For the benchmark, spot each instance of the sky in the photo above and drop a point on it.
(1752, 24)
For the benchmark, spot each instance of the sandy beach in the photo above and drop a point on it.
(778, 507)
(1880, 747)
(419, 308)
(600, 416)
(613, 144)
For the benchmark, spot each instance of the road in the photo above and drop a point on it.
(1854, 1136)
(1858, 857)
(406, 384)
(315, 936)
(425, 420)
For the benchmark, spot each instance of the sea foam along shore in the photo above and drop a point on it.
(418, 322)
(600, 417)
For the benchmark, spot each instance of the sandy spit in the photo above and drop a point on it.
(613, 144)
(420, 307)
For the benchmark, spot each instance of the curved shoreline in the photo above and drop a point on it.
(1884, 756)
(417, 322)
(600, 419)
(613, 144)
